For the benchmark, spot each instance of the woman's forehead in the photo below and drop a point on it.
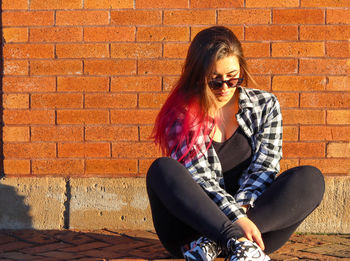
(227, 65)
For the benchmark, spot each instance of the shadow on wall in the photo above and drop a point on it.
(14, 213)
(2, 41)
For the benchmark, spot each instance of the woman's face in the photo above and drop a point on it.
(225, 69)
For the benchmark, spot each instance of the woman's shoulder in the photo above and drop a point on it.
(257, 97)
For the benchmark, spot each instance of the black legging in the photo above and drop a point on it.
(182, 211)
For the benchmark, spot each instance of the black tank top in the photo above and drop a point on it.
(235, 155)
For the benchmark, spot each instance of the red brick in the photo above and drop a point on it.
(136, 50)
(135, 84)
(54, 4)
(133, 116)
(163, 34)
(144, 165)
(286, 164)
(324, 32)
(29, 117)
(298, 16)
(338, 117)
(30, 150)
(140, 4)
(109, 34)
(324, 132)
(244, 16)
(298, 49)
(110, 67)
(294, 116)
(56, 67)
(111, 133)
(271, 32)
(80, 17)
(108, 4)
(58, 166)
(134, 150)
(84, 150)
(29, 84)
(287, 99)
(273, 66)
(13, 134)
(324, 66)
(136, 17)
(27, 18)
(338, 16)
(256, 49)
(82, 117)
(57, 100)
(20, 51)
(263, 83)
(56, 34)
(16, 167)
(83, 84)
(324, 3)
(110, 100)
(169, 82)
(217, 4)
(57, 133)
(15, 101)
(13, 5)
(13, 35)
(152, 100)
(111, 166)
(175, 50)
(290, 133)
(298, 83)
(328, 100)
(160, 67)
(329, 166)
(17, 67)
(145, 133)
(189, 17)
(303, 150)
(82, 50)
(338, 49)
(237, 30)
(272, 3)
(338, 150)
(338, 83)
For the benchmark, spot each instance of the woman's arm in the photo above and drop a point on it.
(201, 169)
(265, 163)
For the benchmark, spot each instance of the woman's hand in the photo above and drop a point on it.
(251, 231)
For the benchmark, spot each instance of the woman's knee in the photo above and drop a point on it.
(309, 182)
(160, 169)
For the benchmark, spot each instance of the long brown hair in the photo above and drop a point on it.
(191, 99)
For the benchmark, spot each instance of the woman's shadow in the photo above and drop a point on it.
(14, 213)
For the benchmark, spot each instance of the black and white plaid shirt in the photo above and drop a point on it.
(261, 120)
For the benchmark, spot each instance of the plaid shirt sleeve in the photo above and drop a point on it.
(267, 153)
(203, 168)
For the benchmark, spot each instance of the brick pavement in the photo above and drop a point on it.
(142, 245)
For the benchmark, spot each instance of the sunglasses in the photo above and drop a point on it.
(233, 82)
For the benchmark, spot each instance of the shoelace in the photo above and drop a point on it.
(209, 246)
(239, 251)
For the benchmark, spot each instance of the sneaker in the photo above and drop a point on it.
(245, 251)
(203, 249)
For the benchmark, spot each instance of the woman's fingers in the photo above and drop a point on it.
(251, 231)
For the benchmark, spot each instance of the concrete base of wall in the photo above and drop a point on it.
(122, 203)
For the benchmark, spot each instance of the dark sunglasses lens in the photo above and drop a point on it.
(232, 82)
(215, 84)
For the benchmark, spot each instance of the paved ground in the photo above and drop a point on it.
(142, 245)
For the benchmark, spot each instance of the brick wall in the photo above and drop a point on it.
(84, 79)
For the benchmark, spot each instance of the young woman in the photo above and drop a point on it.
(218, 192)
